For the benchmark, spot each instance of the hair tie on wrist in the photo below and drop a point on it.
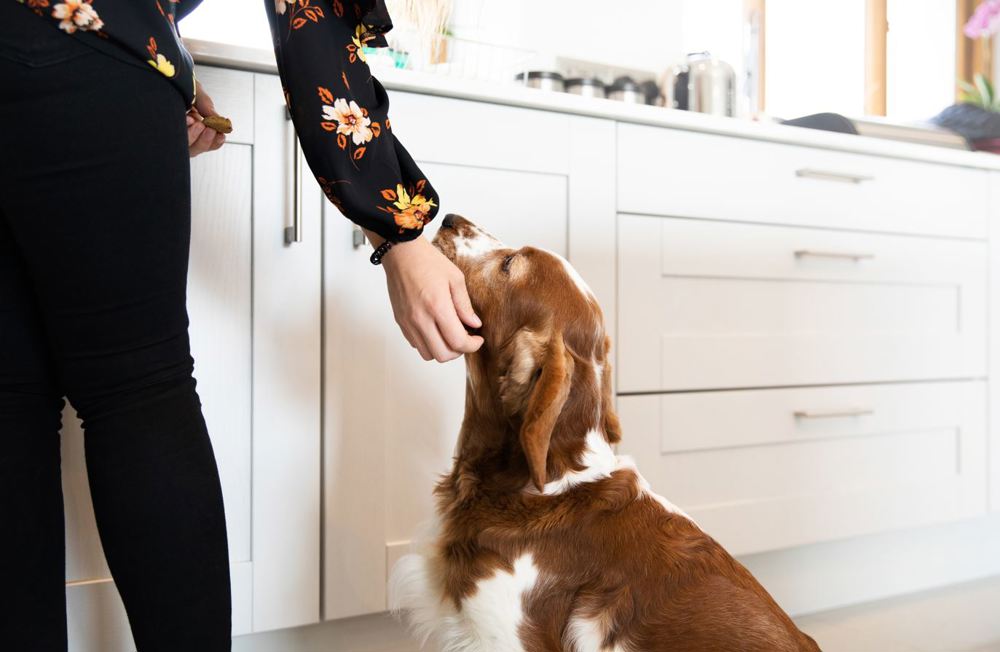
(380, 251)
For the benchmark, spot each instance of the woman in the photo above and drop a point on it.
(98, 118)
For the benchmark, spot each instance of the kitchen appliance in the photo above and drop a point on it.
(586, 86)
(545, 80)
(701, 83)
(651, 91)
(674, 82)
(625, 89)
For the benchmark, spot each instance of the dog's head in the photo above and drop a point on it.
(545, 364)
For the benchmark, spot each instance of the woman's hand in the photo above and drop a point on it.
(430, 301)
(202, 139)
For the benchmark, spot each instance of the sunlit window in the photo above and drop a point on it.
(815, 57)
(920, 67)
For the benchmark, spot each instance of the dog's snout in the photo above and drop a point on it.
(449, 221)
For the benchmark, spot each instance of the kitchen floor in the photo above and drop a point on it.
(963, 618)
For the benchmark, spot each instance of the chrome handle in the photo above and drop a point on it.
(357, 237)
(293, 233)
(843, 255)
(833, 414)
(826, 175)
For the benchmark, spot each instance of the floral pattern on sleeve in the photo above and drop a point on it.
(345, 134)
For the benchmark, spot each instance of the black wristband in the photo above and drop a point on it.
(380, 251)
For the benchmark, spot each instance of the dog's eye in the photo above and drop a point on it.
(505, 266)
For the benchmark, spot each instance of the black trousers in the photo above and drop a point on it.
(94, 237)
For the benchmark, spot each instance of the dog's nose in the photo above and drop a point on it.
(449, 221)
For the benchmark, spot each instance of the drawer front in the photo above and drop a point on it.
(717, 305)
(767, 469)
(685, 174)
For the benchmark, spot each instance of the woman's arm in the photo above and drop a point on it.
(341, 116)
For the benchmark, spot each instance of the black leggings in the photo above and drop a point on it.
(94, 236)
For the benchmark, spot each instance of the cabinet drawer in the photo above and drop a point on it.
(710, 305)
(766, 469)
(685, 174)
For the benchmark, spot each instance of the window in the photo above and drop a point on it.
(857, 57)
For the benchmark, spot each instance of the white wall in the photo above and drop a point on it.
(639, 34)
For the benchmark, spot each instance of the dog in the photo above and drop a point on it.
(546, 540)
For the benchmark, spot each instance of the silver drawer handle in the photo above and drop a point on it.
(833, 414)
(842, 255)
(825, 175)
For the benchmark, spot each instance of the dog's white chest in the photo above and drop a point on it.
(494, 613)
(489, 620)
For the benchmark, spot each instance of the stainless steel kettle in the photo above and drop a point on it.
(701, 83)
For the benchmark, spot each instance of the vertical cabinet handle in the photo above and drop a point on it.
(293, 233)
(357, 237)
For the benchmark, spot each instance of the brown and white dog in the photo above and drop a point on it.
(546, 540)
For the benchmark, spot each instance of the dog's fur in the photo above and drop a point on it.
(546, 540)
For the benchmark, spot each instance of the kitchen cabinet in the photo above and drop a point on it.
(749, 305)
(774, 468)
(391, 419)
(254, 305)
(720, 177)
(782, 344)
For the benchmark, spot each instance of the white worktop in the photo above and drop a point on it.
(229, 56)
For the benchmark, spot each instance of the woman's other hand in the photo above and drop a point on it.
(430, 301)
(202, 139)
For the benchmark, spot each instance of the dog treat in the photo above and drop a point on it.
(220, 124)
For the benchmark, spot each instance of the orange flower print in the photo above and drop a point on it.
(300, 13)
(410, 210)
(351, 119)
(159, 61)
(36, 5)
(77, 14)
(362, 34)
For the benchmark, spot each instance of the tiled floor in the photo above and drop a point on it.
(963, 618)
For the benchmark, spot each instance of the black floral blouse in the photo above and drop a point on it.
(339, 110)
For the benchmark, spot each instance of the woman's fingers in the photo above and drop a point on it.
(220, 138)
(439, 350)
(203, 102)
(454, 333)
(463, 305)
(195, 130)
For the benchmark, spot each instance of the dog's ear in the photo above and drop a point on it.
(536, 375)
(612, 428)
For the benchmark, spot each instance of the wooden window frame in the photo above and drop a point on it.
(971, 55)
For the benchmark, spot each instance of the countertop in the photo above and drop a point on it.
(257, 60)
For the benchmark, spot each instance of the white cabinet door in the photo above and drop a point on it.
(391, 419)
(687, 174)
(767, 469)
(254, 305)
(713, 305)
